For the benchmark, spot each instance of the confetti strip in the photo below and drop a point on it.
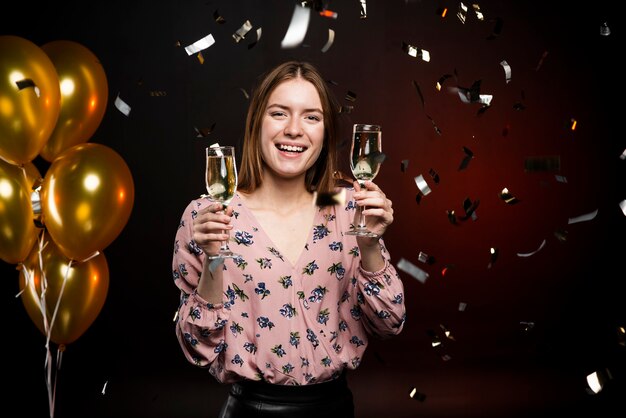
(479, 14)
(414, 394)
(494, 256)
(363, 9)
(411, 269)
(605, 30)
(623, 156)
(104, 388)
(331, 39)
(560, 179)
(543, 244)
(416, 52)
(329, 13)
(462, 306)
(218, 18)
(297, 27)
(259, 31)
(330, 199)
(26, 83)
(200, 44)
(462, 13)
(434, 175)
(622, 206)
(507, 70)
(202, 133)
(122, 106)
(508, 197)
(404, 165)
(469, 155)
(583, 218)
(422, 185)
(242, 31)
(425, 258)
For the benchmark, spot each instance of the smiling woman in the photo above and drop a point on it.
(298, 274)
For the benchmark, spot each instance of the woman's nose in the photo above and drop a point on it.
(294, 127)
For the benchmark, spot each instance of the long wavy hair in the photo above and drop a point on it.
(319, 177)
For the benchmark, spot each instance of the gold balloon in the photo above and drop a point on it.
(30, 99)
(86, 198)
(84, 95)
(17, 232)
(83, 296)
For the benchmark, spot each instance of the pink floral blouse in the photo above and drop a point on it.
(282, 323)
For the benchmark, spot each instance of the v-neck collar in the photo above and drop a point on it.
(253, 221)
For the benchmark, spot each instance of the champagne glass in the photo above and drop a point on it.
(221, 184)
(365, 159)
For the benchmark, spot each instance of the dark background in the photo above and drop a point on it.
(494, 366)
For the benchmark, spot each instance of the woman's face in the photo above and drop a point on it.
(292, 132)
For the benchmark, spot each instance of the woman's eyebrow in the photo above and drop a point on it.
(313, 109)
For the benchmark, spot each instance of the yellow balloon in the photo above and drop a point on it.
(86, 198)
(84, 95)
(17, 232)
(30, 99)
(84, 293)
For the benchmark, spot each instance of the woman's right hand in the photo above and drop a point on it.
(210, 226)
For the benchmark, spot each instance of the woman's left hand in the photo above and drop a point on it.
(378, 209)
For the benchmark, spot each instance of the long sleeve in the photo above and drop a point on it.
(380, 297)
(200, 326)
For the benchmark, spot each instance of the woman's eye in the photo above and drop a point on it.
(314, 117)
(277, 114)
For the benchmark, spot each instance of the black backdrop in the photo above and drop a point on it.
(494, 366)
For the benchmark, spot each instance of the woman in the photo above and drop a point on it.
(285, 320)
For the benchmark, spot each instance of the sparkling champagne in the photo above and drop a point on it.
(221, 177)
(365, 155)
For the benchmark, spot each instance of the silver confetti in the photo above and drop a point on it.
(411, 269)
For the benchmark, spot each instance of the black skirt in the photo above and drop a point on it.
(248, 399)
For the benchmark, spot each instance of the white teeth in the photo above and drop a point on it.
(290, 148)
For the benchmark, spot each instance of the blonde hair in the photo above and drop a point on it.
(320, 176)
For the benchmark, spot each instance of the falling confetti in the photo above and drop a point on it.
(543, 244)
(242, 31)
(122, 106)
(433, 174)
(462, 306)
(331, 39)
(622, 206)
(404, 165)
(218, 18)
(508, 197)
(451, 217)
(411, 269)
(414, 394)
(259, 31)
(200, 44)
(583, 218)
(425, 258)
(363, 9)
(26, 83)
(507, 70)
(416, 52)
(104, 388)
(560, 179)
(330, 199)
(493, 257)
(204, 132)
(469, 155)
(297, 27)
(604, 29)
(422, 185)
(462, 12)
